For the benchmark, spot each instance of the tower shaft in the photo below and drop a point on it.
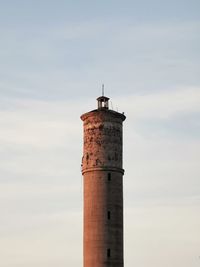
(103, 187)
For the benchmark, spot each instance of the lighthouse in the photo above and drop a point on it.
(102, 172)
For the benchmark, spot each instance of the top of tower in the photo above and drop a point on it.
(103, 102)
(103, 109)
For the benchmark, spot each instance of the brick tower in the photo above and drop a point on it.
(103, 186)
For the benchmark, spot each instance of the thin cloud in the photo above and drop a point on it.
(163, 105)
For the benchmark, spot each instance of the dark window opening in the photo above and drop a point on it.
(109, 176)
(108, 215)
(108, 253)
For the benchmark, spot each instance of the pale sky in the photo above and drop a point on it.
(54, 56)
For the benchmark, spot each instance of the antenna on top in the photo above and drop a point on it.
(102, 89)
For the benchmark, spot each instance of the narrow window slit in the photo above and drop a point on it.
(108, 215)
(109, 176)
(108, 253)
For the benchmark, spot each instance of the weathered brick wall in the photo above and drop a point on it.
(102, 140)
(103, 189)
